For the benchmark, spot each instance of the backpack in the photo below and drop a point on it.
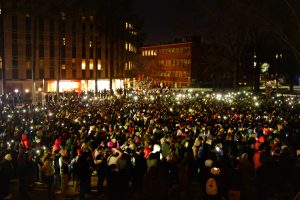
(211, 187)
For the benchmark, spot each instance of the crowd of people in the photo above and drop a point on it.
(154, 144)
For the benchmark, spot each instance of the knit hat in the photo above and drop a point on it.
(208, 163)
(8, 157)
(215, 170)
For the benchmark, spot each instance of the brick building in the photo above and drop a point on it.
(175, 65)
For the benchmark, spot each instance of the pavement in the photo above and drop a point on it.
(39, 191)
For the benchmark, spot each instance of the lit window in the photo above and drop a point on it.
(0, 11)
(99, 64)
(91, 64)
(83, 64)
(63, 16)
(133, 32)
(64, 41)
(63, 66)
(91, 44)
(129, 65)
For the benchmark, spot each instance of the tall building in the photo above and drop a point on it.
(66, 45)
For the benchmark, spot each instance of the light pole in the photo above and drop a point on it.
(2, 60)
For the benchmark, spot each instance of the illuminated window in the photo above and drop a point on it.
(63, 66)
(99, 67)
(128, 26)
(64, 41)
(83, 65)
(91, 64)
(91, 44)
(143, 53)
(129, 65)
(63, 16)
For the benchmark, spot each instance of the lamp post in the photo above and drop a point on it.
(2, 60)
(2, 70)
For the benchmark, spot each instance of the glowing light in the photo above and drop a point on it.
(218, 96)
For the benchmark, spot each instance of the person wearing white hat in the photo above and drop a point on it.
(6, 174)
(64, 169)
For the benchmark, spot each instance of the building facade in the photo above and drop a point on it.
(68, 50)
(167, 64)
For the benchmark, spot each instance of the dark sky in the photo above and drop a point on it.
(159, 23)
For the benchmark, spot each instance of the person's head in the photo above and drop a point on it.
(8, 157)
(84, 147)
(64, 152)
(48, 156)
(244, 156)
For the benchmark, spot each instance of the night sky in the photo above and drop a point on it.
(159, 23)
